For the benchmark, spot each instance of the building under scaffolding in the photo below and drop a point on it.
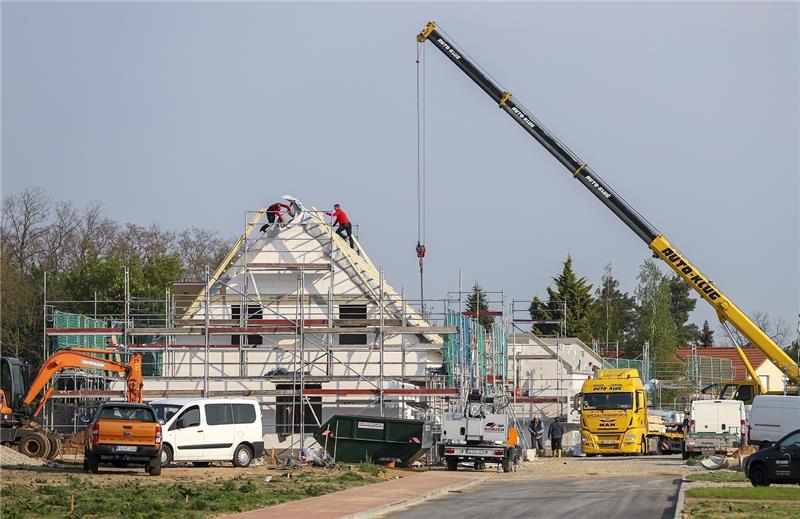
(296, 318)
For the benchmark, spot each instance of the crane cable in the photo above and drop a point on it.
(421, 168)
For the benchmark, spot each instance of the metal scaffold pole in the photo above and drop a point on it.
(206, 334)
(380, 340)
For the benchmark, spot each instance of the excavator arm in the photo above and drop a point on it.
(661, 247)
(77, 358)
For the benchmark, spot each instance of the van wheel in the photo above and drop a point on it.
(758, 475)
(507, 467)
(166, 455)
(452, 464)
(242, 456)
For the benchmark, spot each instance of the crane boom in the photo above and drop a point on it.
(661, 247)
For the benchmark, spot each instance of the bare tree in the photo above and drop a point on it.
(198, 248)
(24, 224)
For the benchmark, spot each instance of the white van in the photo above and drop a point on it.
(772, 417)
(203, 430)
(715, 426)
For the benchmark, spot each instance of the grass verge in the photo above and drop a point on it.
(133, 500)
(722, 476)
(785, 493)
(714, 509)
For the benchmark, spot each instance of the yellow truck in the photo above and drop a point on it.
(614, 418)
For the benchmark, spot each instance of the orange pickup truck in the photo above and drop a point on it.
(123, 433)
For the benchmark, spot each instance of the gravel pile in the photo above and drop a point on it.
(10, 457)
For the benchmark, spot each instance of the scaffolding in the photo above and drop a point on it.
(299, 344)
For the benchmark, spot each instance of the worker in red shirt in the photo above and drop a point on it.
(274, 213)
(345, 229)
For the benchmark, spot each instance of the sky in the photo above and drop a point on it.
(190, 114)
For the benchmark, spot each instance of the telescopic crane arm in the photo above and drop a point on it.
(661, 247)
(76, 358)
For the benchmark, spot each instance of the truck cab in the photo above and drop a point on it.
(613, 408)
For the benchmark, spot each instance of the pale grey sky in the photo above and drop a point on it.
(190, 113)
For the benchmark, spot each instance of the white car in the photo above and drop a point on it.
(203, 430)
(772, 417)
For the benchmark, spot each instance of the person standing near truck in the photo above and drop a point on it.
(536, 428)
(555, 433)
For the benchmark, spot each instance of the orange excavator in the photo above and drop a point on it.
(21, 402)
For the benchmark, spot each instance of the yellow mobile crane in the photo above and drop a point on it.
(727, 312)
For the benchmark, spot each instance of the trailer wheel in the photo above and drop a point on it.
(34, 445)
(452, 464)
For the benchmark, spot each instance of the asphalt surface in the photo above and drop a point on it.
(650, 497)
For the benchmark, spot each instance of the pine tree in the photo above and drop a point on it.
(540, 312)
(655, 324)
(681, 305)
(576, 293)
(478, 304)
(706, 338)
(615, 312)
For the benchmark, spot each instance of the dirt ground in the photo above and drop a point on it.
(59, 472)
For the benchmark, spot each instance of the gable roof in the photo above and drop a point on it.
(754, 355)
(306, 241)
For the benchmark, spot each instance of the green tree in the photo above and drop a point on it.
(539, 311)
(615, 312)
(655, 324)
(706, 338)
(477, 303)
(681, 305)
(574, 292)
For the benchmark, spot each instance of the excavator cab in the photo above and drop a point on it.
(14, 377)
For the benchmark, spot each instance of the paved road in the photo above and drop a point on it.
(649, 497)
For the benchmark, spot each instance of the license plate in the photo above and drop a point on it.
(125, 448)
(475, 451)
(608, 442)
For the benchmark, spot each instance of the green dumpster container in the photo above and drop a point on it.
(354, 439)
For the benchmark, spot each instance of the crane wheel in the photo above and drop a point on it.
(55, 447)
(34, 445)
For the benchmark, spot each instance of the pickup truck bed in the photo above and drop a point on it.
(123, 434)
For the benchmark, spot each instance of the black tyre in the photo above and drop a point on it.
(34, 445)
(201, 463)
(242, 456)
(154, 466)
(685, 455)
(643, 447)
(508, 465)
(55, 447)
(452, 464)
(166, 455)
(479, 465)
(758, 475)
(92, 462)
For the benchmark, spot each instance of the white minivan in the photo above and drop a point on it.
(772, 417)
(203, 430)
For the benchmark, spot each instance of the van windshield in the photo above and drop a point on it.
(608, 400)
(165, 411)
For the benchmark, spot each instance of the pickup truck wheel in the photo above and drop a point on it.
(154, 466)
(452, 464)
(507, 462)
(34, 445)
(166, 455)
(758, 475)
(242, 456)
(92, 463)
